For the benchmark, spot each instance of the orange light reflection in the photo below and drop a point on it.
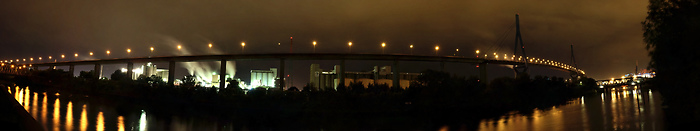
(120, 123)
(69, 116)
(83, 119)
(100, 122)
(56, 114)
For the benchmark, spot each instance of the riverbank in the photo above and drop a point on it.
(14, 116)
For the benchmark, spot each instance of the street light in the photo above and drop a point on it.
(349, 47)
(477, 53)
(91, 53)
(107, 54)
(242, 47)
(210, 45)
(456, 53)
(179, 47)
(436, 50)
(411, 46)
(152, 50)
(383, 45)
(314, 46)
(128, 52)
(76, 56)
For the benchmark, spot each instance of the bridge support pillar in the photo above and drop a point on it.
(171, 73)
(222, 74)
(280, 75)
(483, 74)
(396, 74)
(341, 75)
(71, 70)
(98, 71)
(130, 70)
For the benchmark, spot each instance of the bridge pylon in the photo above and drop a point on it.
(574, 74)
(520, 68)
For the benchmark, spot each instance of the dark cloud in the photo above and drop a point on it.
(607, 34)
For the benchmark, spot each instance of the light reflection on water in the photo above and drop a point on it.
(100, 122)
(57, 113)
(142, 121)
(632, 109)
(83, 119)
(69, 116)
(120, 124)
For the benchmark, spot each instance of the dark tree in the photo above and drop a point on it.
(189, 81)
(671, 32)
(118, 75)
(87, 74)
(293, 88)
(233, 88)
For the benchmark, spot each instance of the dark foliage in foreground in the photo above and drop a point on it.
(671, 32)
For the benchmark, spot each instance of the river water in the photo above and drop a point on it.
(617, 109)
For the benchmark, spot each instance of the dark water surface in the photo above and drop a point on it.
(616, 109)
(619, 109)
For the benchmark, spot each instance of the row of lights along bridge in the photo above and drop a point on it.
(495, 56)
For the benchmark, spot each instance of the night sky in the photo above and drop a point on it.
(607, 35)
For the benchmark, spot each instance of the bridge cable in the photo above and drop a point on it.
(496, 47)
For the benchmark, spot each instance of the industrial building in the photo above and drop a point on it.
(148, 69)
(320, 79)
(265, 78)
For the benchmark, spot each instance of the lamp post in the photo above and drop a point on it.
(436, 50)
(128, 52)
(76, 56)
(383, 45)
(411, 48)
(242, 47)
(477, 53)
(314, 43)
(107, 54)
(152, 49)
(349, 47)
(456, 52)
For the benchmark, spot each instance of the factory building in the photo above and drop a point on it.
(320, 79)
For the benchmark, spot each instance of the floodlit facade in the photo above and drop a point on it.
(263, 78)
(379, 75)
(148, 69)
